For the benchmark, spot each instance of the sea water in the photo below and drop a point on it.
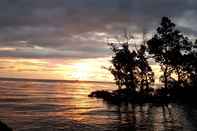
(65, 106)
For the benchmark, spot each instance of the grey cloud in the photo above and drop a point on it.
(52, 24)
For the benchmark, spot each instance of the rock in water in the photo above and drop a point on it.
(4, 127)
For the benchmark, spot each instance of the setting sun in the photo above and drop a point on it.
(81, 72)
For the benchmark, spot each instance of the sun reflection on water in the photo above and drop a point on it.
(81, 108)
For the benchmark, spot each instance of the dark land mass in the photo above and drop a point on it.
(159, 96)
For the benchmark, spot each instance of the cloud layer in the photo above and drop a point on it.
(79, 28)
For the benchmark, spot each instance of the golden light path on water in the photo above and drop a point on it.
(82, 106)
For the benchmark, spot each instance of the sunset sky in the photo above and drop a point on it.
(67, 39)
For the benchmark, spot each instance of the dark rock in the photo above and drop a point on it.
(4, 127)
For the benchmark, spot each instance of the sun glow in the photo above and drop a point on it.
(81, 71)
(77, 69)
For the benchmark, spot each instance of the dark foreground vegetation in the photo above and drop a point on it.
(4, 127)
(175, 53)
(160, 96)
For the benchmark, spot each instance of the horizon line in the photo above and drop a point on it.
(50, 80)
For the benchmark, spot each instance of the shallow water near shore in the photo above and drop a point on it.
(59, 106)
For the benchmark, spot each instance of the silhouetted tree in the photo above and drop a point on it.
(190, 64)
(123, 63)
(145, 75)
(169, 47)
(181, 50)
(172, 50)
(131, 68)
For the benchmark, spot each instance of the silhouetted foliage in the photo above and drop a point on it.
(190, 64)
(131, 68)
(169, 47)
(123, 65)
(145, 75)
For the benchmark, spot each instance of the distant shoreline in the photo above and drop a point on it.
(51, 80)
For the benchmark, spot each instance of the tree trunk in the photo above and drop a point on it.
(179, 77)
(166, 77)
(147, 84)
(132, 84)
(142, 86)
